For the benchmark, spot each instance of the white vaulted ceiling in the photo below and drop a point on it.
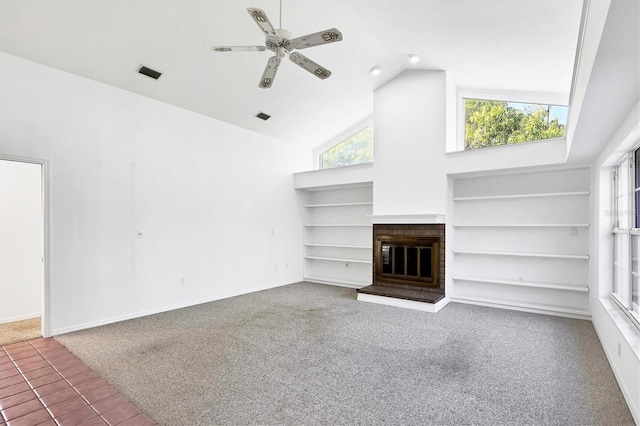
(512, 45)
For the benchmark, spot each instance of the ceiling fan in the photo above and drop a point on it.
(281, 42)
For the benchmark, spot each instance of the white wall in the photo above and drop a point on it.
(409, 119)
(609, 124)
(20, 241)
(215, 202)
(619, 338)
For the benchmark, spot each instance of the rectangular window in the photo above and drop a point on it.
(626, 234)
(492, 123)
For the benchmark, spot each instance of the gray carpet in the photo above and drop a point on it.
(308, 354)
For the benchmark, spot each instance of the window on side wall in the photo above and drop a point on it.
(356, 149)
(626, 234)
(498, 122)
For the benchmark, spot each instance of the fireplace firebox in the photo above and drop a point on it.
(407, 260)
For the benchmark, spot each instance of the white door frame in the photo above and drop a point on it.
(46, 254)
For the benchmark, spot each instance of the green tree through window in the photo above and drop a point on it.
(356, 149)
(491, 123)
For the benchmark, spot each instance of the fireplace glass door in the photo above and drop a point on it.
(407, 260)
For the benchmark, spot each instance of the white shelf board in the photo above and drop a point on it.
(514, 196)
(338, 246)
(337, 259)
(522, 225)
(521, 254)
(545, 309)
(553, 286)
(336, 281)
(334, 225)
(364, 203)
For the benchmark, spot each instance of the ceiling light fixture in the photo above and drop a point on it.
(414, 58)
(375, 70)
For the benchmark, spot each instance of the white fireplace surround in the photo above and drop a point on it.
(403, 219)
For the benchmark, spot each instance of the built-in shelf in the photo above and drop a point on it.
(338, 232)
(514, 196)
(553, 286)
(334, 225)
(336, 281)
(521, 254)
(521, 225)
(351, 246)
(337, 259)
(512, 240)
(367, 203)
(509, 304)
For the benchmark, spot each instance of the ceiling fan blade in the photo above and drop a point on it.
(269, 72)
(263, 22)
(306, 63)
(315, 39)
(239, 48)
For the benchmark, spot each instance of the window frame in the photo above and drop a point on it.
(627, 227)
(341, 137)
(505, 96)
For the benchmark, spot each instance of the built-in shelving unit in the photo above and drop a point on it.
(521, 241)
(338, 234)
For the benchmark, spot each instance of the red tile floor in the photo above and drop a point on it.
(42, 383)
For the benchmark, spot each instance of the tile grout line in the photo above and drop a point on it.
(63, 378)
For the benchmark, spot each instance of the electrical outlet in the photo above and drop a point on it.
(573, 232)
(182, 281)
(140, 234)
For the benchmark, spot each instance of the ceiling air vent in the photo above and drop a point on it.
(149, 72)
(263, 116)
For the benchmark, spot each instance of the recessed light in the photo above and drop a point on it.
(375, 70)
(414, 58)
(149, 72)
(263, 116)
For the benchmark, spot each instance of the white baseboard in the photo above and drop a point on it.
(92, 324)
(403, 303)
(19, 318)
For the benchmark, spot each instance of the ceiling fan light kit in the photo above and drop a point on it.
(282, 43)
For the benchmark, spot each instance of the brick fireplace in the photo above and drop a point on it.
(408, 265)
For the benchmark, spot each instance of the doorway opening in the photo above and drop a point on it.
(23, 250)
